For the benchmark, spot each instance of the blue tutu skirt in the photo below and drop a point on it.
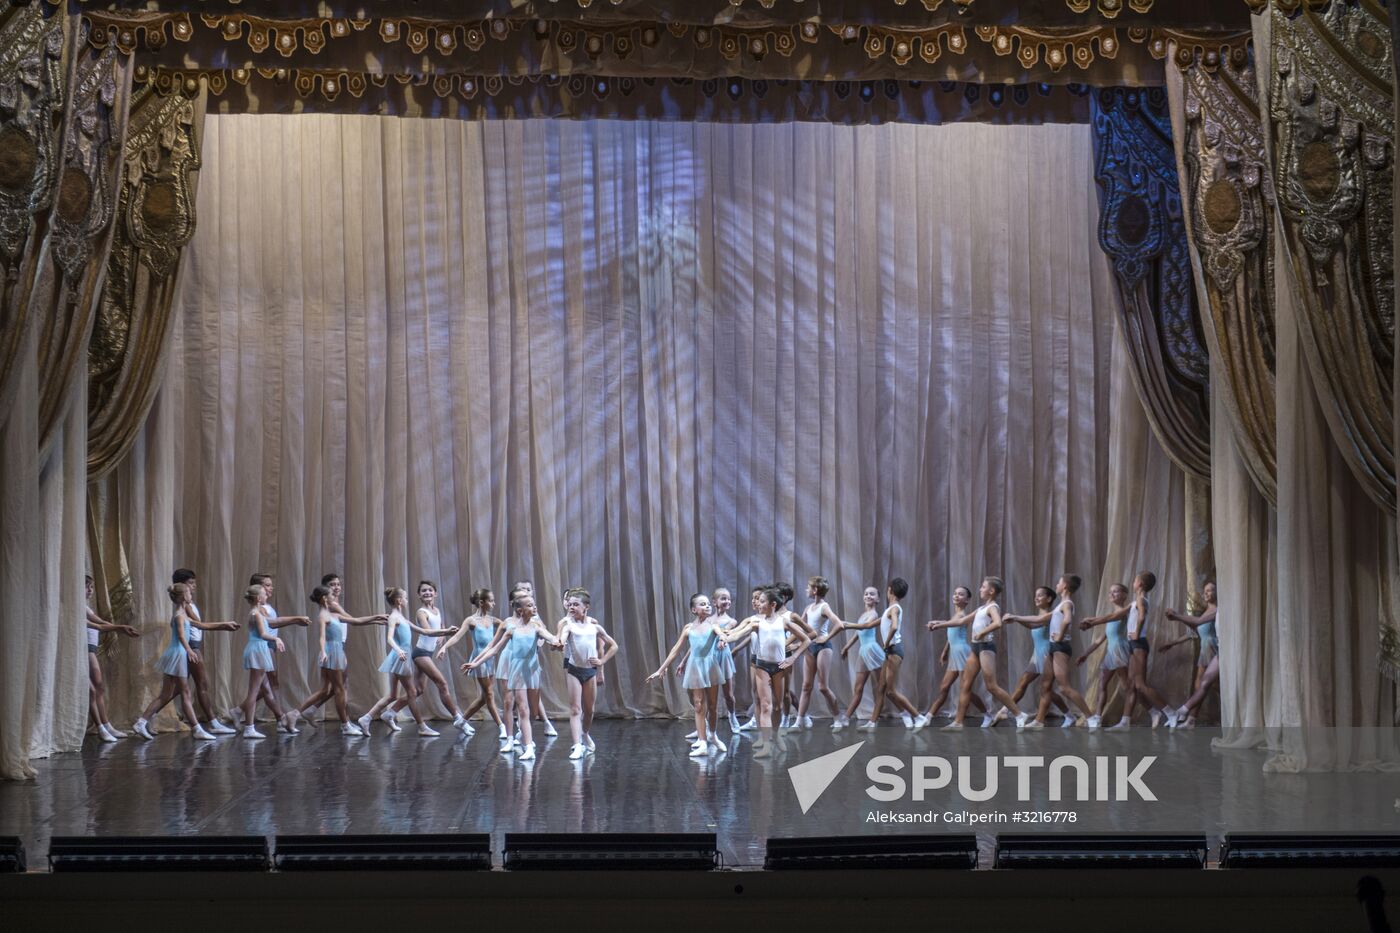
(701, 673)
(174, 661)
(523, 675)
(1116, 654)
(872, 656)
(958, 655)
(257, 656)
(393, 664)
(335, 657)
(726, 663)
(486, 670)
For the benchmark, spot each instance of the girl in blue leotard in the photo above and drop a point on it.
(481, 626)
(1208, 662)
(518, 644)
(955, 653)
(704, 672)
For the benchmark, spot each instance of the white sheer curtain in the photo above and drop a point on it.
(648, 359)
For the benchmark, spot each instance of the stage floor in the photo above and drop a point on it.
(642, 780)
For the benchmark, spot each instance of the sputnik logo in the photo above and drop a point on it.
(811, 778)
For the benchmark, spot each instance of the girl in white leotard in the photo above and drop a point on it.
(892, 640)
(97, 690)
(587, 647)
(1205, 626)
(771, 631)
(1138, 611)
(817, 660)
(429, 619)
(703, 672)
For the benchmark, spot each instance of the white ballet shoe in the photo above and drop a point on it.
(1120, 726)
(1000, 715)
(235, 716)
(955, 724)
(1023, 718)
(1032, 724)
(459, 723)
(507, 746)
(288, 722)
(839, 723)
(698, 743)
(699, 750)
(988, 721)
(806, 722)
(427, 731)
(1069, 722)
(142, 728)
(117, 732)
(1171, 718)
(199, 732)
(751, 724)
(1183, 714)
(908, 720)
(503, 730)
(1094, 722)
(1156, 718)
(588, 743)
(349, 728)
(577, 752)
(363, 722)
(529, 753)
(734, 724)
(217, 727)
(104, 733)
(391, 719)
(868, 726)
(692, 735)
(251, 732)
(921, 720)
(716, 745)
(549, 729)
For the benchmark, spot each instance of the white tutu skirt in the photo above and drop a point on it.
(1116, 654)
(393, 664)
(1210, 647)
(872, 656)
(335, 656)
(1038, 656)
(958, 655)
(174, 661)
(257, 656)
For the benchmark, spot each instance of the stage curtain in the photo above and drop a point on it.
(647, 359)
(48, 308)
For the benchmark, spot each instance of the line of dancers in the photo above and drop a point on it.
(706, 656)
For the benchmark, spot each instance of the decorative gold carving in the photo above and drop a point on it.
(286, 36)
(1059, 46)
(131, 30)
(31, 99)
(1332, 117)
(1231, 200)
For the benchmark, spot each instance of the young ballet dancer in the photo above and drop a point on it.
(97, 689)
(1061, 647)
(257, 661)
(286, 722)
(1209, 659)
(481, 625)
(430, 635)
(738, 646)
(398, 664)
(771, 630)
(786, 592)
(729, 664)
(519, 640)
(955, 654)
(1116, 655)
(587, 647)
(871, 658)
(332, 626)
(892, 641)
(198, 675)
(983, 659)
(703, 673)
(536, 705)
(1036, 667)
(174, 664)
(817, 661)
(1138, 611)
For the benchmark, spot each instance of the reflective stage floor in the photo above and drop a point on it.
(642, 780)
